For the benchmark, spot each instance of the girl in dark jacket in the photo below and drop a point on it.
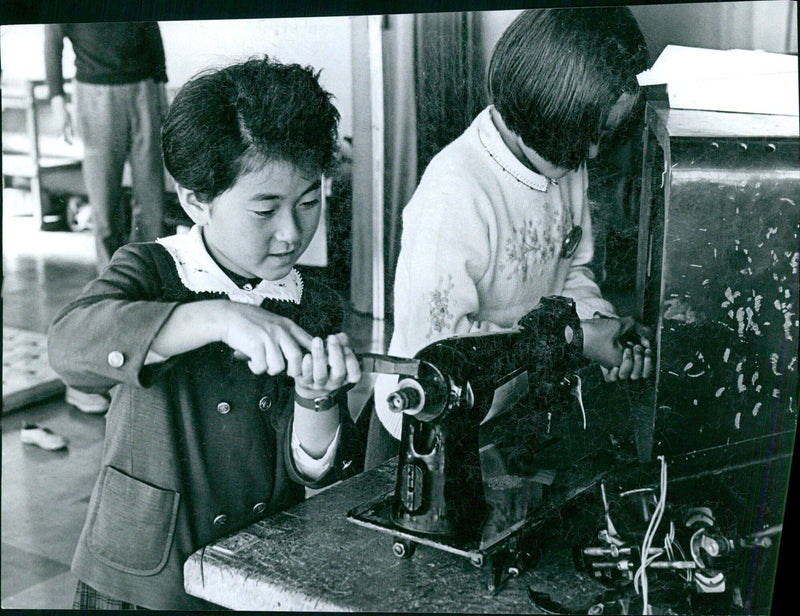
(226, 364)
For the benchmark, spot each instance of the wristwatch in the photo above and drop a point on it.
(320, 403)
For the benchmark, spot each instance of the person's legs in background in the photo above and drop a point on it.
(147, 168)
(103, 124)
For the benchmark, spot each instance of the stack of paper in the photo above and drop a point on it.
(735, 80)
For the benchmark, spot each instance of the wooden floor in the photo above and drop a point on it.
(45, 494)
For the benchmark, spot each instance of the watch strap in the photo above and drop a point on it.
(320, 403)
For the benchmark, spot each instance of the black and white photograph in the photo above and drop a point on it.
(432, 307)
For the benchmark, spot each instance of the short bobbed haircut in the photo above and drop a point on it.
(227, 122)
(555, 74)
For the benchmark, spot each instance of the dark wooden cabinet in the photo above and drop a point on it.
(717, 278)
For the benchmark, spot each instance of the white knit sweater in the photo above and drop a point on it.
(481, 244)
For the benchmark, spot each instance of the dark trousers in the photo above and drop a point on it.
(119, 123)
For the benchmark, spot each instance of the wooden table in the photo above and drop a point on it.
(311, 557)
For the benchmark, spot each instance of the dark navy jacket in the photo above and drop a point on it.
(196, 447)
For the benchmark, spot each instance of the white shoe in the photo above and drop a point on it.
(31, 434)
(88, 403)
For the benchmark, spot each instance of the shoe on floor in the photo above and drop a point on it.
(31, 434)
(88, 403)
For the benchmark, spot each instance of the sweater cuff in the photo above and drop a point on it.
(314, 468)
(589, 308)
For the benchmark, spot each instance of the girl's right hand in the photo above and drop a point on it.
(269, 342)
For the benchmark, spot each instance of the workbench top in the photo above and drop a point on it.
(311, 557)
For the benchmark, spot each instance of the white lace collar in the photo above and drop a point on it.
(200, 273)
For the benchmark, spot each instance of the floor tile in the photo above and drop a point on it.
(56, 593)
(27, 375)
(44, 492)
(22, 570)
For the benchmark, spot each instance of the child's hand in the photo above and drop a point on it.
(621, 347)
(326, 370)
(269, 342)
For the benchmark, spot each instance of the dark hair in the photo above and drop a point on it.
(555, 74)
(226, 122)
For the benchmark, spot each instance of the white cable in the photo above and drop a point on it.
(612, 532)
(576, 391)
(668, 539)
(683, 557)
(651, 534)
(648, 540)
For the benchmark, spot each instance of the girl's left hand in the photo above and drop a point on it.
(327, 369)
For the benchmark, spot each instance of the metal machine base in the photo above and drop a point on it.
(502, 557)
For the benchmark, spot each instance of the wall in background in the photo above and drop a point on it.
(322, 42)
(769, 25)
(190, 46)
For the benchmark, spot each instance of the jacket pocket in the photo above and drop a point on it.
(132, 524)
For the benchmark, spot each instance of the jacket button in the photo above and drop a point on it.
(259, 508)
(223, 408)
(265, 403)
(221, 520)
(116, 359)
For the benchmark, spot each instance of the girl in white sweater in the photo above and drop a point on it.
(501, 216)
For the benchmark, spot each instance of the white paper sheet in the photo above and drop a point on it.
(736, 80)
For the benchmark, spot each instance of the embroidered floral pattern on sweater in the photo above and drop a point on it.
(529, 245)
(526, 246)
(439, 314)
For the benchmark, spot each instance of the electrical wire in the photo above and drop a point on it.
(648, 539)
(612, 532)
(677, 545)
(655, 520)
(579, 396)
(668, 540)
